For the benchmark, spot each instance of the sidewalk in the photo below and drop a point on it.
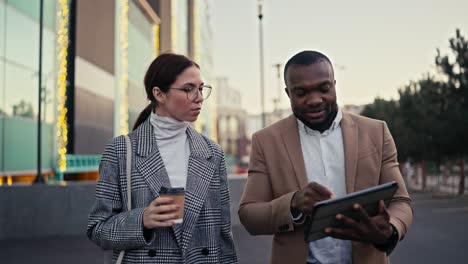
(436, 184)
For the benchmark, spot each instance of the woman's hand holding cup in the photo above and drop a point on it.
(162, 212)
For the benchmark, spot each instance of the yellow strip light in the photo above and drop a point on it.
(156, 40)
(62, 45)
(123, 82)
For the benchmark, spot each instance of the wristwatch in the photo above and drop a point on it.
(391, 242)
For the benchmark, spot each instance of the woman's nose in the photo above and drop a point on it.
(199, 97)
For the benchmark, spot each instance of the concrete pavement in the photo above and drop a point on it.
(438, 235)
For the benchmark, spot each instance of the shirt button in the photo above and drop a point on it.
(205, 252)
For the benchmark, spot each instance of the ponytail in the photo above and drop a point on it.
(143, 115)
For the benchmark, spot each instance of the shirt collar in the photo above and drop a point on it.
(335, 125)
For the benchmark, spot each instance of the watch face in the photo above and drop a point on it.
(394, 235)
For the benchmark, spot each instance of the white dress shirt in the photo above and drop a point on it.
(324, 162)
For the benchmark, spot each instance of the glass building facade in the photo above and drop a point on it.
(202, 53)
(94, 73)
(140, 54)
(19, 92)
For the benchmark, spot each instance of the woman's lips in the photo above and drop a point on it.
(195, 110)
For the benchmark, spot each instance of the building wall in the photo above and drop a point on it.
(185, 28)
(94, 75)
(95, 32)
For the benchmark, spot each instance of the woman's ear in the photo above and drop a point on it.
(159, 95)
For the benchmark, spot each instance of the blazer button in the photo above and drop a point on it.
(151, 252)
(205, 251)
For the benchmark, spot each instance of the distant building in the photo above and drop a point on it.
(355, 109)
(231, 124)
(254, 122)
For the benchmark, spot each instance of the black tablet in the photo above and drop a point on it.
(324, 213)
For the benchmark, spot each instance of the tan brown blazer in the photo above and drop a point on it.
(277, 170)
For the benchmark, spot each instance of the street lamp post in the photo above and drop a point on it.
(262, 79)
(278, 99)
(39, 114)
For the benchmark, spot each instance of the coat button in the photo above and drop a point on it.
(205, 251)
(151, 252)
(283, 227)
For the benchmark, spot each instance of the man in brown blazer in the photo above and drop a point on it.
(315, 154)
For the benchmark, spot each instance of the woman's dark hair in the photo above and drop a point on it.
(162, 73)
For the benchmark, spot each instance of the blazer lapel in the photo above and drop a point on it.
(200, 173)
(149, 161)
(290, 134)
(151, 166)
(350, 142)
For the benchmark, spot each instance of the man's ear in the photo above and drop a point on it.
(159, 95)
(287, 91)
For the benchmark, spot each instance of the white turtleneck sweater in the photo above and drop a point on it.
(173, 146)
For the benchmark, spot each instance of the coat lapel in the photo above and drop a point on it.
(290, 134)
(151, 165)
(149, 161)
(200, 173)
(350, 142)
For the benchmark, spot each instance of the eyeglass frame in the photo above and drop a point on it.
(200, 91)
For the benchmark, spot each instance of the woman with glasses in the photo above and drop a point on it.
(166, 152)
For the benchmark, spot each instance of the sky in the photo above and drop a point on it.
(376, 47)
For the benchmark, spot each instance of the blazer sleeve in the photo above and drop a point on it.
(228, 250)
(400, 210)
(109, 226)
(260, 212)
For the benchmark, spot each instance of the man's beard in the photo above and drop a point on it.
(325, 124)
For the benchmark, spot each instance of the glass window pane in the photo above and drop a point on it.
(140, 44)
(140, 55)
(21, 91)
(19, 53)
(181, 7)
(22, 39)
(2, 86)
(31, 9)
(2, 58)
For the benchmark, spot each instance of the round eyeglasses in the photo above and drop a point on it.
(192, 91)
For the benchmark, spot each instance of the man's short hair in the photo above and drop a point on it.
(304, 58)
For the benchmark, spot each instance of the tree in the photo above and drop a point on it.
(456, 73)
(23, 109)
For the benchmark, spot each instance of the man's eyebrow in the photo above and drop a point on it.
(324, 82)
(311, 87)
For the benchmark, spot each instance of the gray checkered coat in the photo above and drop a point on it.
(204, 236)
